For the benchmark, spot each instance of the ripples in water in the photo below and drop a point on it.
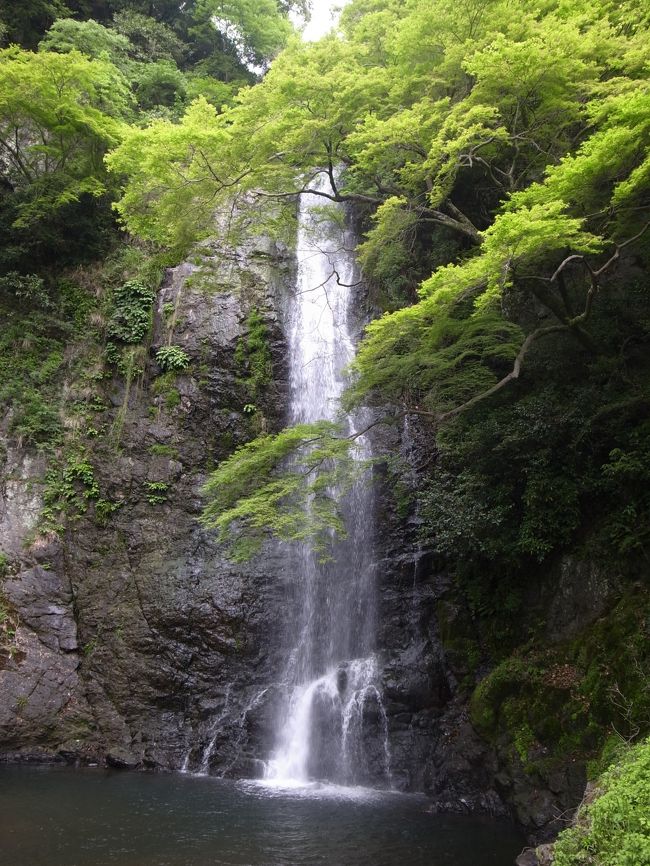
(61, 817)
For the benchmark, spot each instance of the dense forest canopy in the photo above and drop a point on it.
(76, 77)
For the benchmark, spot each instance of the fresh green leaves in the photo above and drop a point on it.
(170, 196)
(509, 152)
(614, 829)
(59, 113)
(288, 485)
(172, 359)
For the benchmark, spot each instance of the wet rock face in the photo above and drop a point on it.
(134, 633)
(426, 635)
(433, 746)
(41, 699)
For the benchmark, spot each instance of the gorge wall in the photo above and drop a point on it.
(131, 640)
(130, 631)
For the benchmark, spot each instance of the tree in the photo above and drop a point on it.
(148, 39)
(88, 38)
(160, 83)
(59, 114)
(507, 152)
(444, 121)
(256, 29)
(252, 493)
(27, 21)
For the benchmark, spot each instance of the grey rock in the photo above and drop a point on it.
(527, 858)
(45, 605)
(122, 759)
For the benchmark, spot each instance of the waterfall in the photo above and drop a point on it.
(333, 725)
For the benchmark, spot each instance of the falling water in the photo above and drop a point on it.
(333, 725)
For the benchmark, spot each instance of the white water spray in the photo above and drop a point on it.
(333, 725)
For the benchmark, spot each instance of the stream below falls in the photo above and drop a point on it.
(57, 816)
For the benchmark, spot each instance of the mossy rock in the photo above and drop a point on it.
(568, 699)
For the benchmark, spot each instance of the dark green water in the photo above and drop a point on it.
(63, 817)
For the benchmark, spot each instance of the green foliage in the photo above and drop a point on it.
(87, 37)
(165, 386)
(148, 39)
(26, 22)
(488, 147)
(255, 30)
(31, 355)
(172, 359)
(253, 355)
(160, 450)
(564, 702)
(133, 261)
(156, 492)
(130, 318)
(518, 478)
(8, 625)
(247, 32)
(491, 495)
(544, 141)
(69, 487)
(431, 359)
(627, 472)
(104, 510)
(62, 112)
(27, 288)
(59, 113)
(220, 94)
(613, 829)
(160, 83)
(393, 122)
(387, 254)
(251, 494)
(159, 150)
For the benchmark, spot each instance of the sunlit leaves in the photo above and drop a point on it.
(288, 485)
(89, 38)
(525, 134)
(58, 115)
(430, 360)
(170, 195)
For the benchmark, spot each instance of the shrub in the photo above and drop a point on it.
(172, 359)
(131, 316)
(28, 289)
(156, 492)
(613, 830)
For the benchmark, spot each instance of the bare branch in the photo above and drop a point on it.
(458, 224)
(513, 374)
(335, 195)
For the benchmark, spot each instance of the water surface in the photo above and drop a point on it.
(52, 816)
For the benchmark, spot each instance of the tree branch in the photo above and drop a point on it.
(513, 374)
(461, 224)
(561, 307)
(569, 324)
(306, 190)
